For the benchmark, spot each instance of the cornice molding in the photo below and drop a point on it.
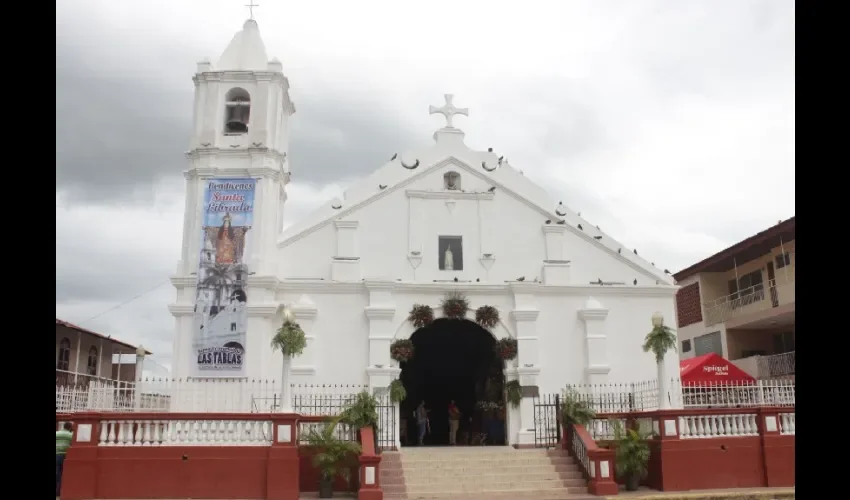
(208, 173)
(263, 311)
(240, 76)
(448, 195)
(592, 314)
(525, 314)
(379, 285)
(304, 311)
(346, 224)
(183, 281)
(270, 282)
(332, 287)
(252, 151)
(178, 310)
(379, 312)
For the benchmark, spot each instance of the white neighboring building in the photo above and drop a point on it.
(351, 270)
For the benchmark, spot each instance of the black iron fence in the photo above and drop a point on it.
(547, 424)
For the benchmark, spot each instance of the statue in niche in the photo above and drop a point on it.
(450, 253)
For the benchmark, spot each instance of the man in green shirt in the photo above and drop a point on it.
(63, 442)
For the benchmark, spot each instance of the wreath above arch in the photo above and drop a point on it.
(506, 348)
(421, 315)
(487, 316)
(401, 351)
(454, 305)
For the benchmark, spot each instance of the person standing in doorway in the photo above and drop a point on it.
(63, 442)
(421, 415)
(454, 422)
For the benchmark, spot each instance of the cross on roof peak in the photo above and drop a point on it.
(448, 110)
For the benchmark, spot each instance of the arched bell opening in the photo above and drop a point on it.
(454, 360)
(237, 111)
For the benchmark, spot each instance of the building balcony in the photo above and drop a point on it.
(758, 303)
(769, 367)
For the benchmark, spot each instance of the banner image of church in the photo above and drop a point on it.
(221, 315)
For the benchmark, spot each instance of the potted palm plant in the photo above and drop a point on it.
(333, 457)
(660, 340)
(631, 454)
(575, 410)
(362, 412)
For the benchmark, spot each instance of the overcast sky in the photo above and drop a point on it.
(668, 123)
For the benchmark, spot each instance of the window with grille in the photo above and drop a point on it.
(710, 342)
(783, 260)
(686, 345)
(91, 365)
(63, 362)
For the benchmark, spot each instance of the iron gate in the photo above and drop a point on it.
(547, 422)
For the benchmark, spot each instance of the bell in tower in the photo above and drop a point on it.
(237, 112)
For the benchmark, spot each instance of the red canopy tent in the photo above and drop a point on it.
(711, 369)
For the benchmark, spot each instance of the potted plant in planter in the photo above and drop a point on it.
(362, 412)
(575, 410)
(333, 457)
(631, 454)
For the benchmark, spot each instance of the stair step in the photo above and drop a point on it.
(427, 478)
(564, 494)
(490, 463)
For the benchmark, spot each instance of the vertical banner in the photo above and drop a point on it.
(221, 315)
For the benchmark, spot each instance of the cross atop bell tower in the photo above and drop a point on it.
(251, 8)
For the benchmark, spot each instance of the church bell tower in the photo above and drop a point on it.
(240, 130)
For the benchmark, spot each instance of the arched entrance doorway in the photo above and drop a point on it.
(455, 360)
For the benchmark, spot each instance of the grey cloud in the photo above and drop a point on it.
(117, 133)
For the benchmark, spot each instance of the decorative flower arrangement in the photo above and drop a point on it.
(397, 391)
(421, 315)
(487, 316)
(289, 339)
(506, 348)
(401, 350)
(455, 305)
(513, 393)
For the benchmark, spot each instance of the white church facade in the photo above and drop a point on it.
(445, 217)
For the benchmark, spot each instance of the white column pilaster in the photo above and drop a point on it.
(597, 366)
(525, 315)
(381, 313)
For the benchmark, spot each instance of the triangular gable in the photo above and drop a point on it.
(502, 178)
(711, 369)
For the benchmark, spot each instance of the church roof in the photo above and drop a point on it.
(405, 168)
(246, 52)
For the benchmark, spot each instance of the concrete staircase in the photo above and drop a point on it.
(481, 472)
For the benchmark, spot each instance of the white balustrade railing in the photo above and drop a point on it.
(201, 432)
(602, 429)
(203, 396)
(706, 426)
(787, 423)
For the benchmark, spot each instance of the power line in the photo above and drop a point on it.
(123, 303)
